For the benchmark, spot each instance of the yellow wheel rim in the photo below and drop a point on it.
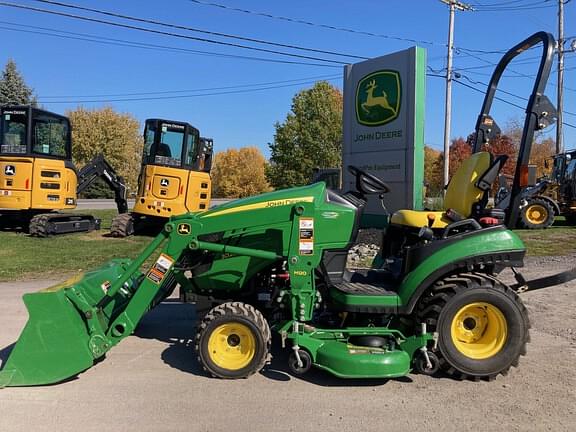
(479, 330)
(536, 214)
(232, 346)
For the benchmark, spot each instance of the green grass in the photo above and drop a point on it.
(23, 257)
(559, 239)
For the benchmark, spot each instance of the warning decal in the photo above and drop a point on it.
(160, 268)
(306, 236)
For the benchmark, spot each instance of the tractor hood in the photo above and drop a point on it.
(311, 193)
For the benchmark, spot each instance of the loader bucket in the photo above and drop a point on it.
(56, 342)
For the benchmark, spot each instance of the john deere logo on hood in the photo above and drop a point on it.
(378, 98)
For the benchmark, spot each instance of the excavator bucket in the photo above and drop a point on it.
(59, 341)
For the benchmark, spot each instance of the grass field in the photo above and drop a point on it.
(23, 257)
(559, 239)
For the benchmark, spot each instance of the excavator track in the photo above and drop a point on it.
(122, 225)
(47, 224)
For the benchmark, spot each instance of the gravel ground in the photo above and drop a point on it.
(151, 382)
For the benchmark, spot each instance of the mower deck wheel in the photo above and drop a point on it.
(306, 360)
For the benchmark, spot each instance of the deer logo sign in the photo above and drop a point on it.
(378, 98)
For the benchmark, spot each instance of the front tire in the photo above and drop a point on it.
(537, 214)
(233, 341)
(482, 325)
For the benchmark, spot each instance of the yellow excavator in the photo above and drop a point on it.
(174, 178)
(38, 178)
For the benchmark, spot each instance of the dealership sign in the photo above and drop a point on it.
(384, 102)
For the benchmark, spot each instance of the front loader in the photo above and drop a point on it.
(277, 263)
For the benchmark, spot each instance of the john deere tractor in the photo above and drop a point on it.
(277, 263)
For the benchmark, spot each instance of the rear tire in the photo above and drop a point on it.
(233, 341)
(482, 325)
(537, 214)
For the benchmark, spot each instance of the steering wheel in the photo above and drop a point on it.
(368, 183)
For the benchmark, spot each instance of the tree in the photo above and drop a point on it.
(459, 151)
(433, 163)
(239, 173)
(504, 145)
(13, 89)
(310, 137)
(542, 148)
(115, 135)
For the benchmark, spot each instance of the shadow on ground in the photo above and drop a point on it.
(175, 323)
(5, 353)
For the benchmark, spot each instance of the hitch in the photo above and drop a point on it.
(535, 284)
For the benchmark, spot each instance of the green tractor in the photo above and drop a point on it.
(276, 263)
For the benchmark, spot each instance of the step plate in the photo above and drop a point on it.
(362, 297)
(358, 288)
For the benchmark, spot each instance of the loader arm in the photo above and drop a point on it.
(99, 167)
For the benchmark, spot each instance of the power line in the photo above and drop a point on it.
(141, 45)
(216, 93)
(176, 35)
(196, 30)
(498, 3)
(506, 92)
(180, 96)
(165, 92)
(494, 64)
(502, 100)
(312, 24)
(526, 6)
(335, 28)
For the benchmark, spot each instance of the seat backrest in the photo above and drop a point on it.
(462, 192)
(164, 150)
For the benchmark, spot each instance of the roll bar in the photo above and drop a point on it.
(540, 112)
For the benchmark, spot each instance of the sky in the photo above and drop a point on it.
(236, 95)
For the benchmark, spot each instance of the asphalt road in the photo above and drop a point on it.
(104, 204)
(152, 382)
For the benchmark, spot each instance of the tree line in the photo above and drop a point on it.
(310, 137)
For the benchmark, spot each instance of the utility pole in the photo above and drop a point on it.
(454, 5)
(560, 92)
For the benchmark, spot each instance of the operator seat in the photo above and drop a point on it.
(466, 195)
(163, 150)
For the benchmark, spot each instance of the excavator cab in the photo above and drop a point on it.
(36, 171)
(174, 179)
(35, 149)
